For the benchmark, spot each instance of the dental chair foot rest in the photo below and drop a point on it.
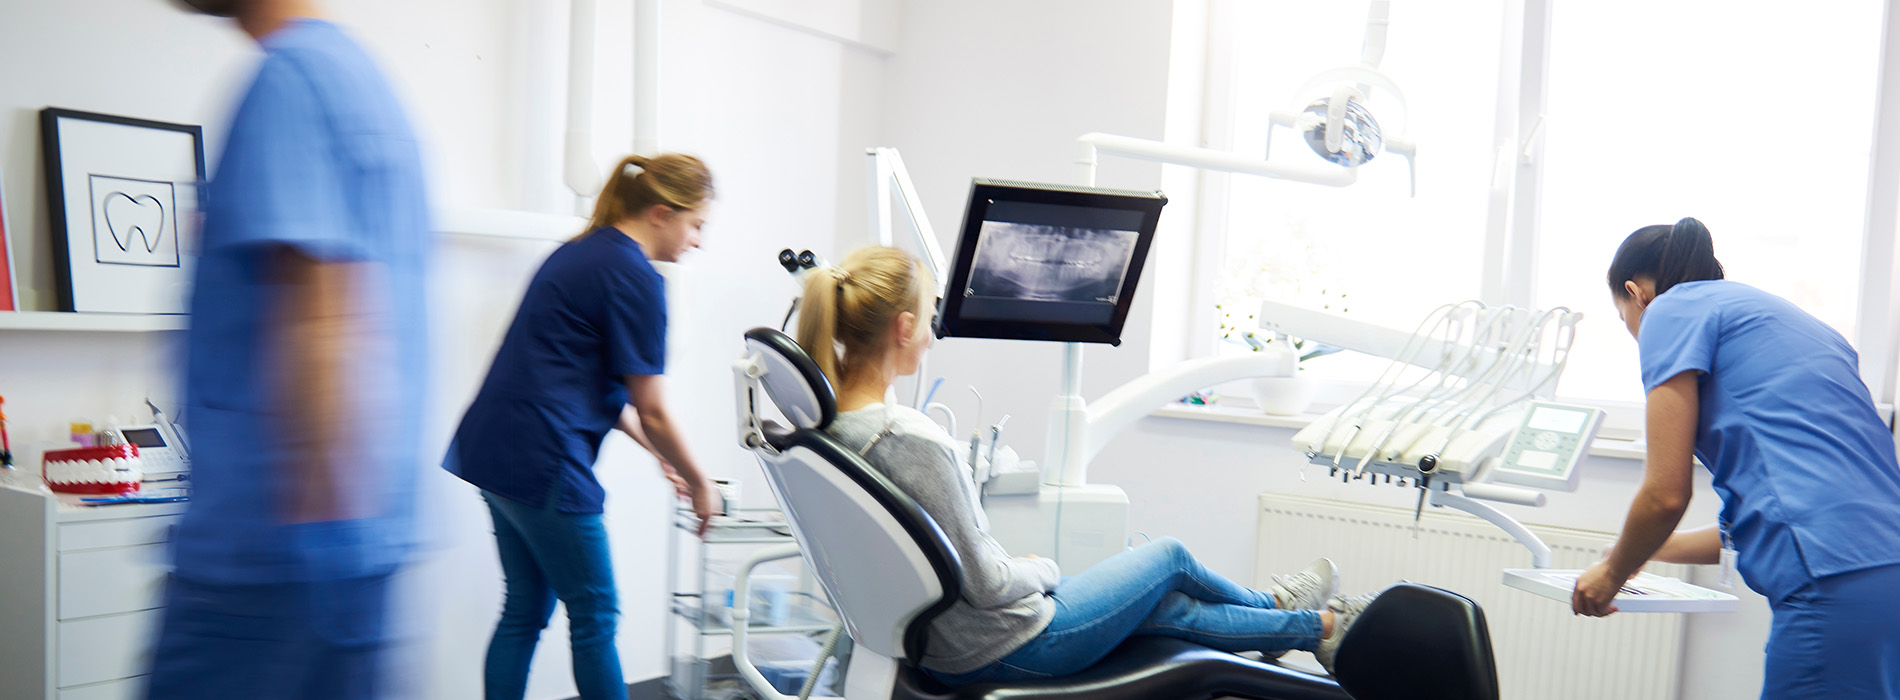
(1144, 668)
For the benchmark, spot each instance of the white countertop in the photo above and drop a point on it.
(69, 508)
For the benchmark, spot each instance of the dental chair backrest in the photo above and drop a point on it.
(885, 564)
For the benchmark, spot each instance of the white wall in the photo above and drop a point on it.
(780, 114)
(973, 95)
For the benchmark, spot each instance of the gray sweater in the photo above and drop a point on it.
(1003, 604)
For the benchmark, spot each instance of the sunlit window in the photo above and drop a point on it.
(1367, 250)
(1757, 122)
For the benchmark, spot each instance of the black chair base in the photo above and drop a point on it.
(1144, 668)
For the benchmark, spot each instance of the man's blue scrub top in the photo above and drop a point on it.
(1803, 463)
(594, 313)
(320, 159)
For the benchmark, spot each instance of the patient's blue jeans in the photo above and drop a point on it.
(547, 554)
(1156, 589)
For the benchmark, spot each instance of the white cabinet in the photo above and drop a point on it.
(81, 594)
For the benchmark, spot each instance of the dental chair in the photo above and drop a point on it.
(889, 571)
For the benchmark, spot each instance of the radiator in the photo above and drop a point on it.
(1543, 652)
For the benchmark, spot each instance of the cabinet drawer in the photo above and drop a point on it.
(127, 689)
(107, 581)
(106, 648)
(116, 533)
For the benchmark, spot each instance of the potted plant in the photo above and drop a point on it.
(1290, 265)
(1289, 394)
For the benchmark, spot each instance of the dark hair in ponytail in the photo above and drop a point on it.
(1670, 255)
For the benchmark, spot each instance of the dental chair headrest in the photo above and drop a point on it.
(792, 380)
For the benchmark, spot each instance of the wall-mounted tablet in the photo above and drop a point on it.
(1047, 262)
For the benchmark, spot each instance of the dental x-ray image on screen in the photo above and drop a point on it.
(1047, 262)
(1050, 263)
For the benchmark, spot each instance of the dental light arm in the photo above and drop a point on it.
(1131, 402)
(1090, 145)
(1076, 432)
(888, 176)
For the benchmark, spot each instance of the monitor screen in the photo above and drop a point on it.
(144, 437)
(1047, 262)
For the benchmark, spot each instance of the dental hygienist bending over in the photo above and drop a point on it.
(588, 341)
(1772, 402)
(866, 323)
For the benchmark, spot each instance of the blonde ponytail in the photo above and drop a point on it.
(818, 323)
(847, 308)
(674, 179)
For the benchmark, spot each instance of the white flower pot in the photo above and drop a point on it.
(1285, 396)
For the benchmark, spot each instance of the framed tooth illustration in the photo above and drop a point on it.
(123, 197)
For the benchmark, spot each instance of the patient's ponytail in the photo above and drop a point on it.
(847, 308)
(1668, 255)
(818, 321)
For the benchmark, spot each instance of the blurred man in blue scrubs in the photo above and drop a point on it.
(303, 377)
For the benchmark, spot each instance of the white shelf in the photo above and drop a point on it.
(800, 619)
(507, 223)
(67, 321)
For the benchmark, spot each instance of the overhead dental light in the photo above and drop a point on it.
(1351, 114)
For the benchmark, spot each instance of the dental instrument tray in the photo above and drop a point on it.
(1047, 262)
(1646, 592)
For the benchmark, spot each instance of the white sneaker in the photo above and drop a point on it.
(1345, 611)
(1308, 588)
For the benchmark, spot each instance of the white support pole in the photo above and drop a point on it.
(741, 619)
(1068, 425)
(880, 173)
(1068, 413)
(578, 170)
(1540, 552)
(646, 77)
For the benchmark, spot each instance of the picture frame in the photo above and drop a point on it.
(10, 301)
(121, 191)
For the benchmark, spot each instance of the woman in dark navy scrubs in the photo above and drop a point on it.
(583, 357)
(1771, 400)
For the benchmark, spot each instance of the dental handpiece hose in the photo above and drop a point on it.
(996, 437)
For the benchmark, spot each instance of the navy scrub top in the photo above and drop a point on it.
(1803, 463)
(594, 313)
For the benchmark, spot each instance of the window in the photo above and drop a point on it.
(1367, 249)
(1761, 124)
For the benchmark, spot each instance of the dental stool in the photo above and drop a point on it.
(889, 570)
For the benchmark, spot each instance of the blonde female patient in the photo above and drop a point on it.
(866, 322)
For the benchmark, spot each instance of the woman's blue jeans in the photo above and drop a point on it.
(1156, 589)
(547, 554)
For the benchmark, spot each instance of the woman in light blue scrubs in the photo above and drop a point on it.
(583, 357)
(1771, 400)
